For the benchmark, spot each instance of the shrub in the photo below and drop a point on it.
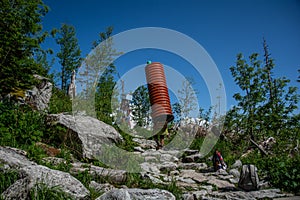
(20, 125)
(59, 102)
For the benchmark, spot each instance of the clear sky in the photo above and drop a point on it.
(223, 28)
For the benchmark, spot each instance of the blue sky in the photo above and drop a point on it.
(223, 28)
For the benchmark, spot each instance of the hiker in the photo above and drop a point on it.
(161, 134)
(218, 161)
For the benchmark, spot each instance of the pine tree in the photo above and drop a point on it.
(140, 106)
(104, 95)
(20, 37)
(69, 55)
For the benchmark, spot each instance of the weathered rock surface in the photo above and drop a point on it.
(89, 135)
(32, 174)
(137, 194)
(39, 96)
(110, 175)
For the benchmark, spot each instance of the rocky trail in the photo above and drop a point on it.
(159, 167)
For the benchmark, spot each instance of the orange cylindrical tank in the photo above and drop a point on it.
(158, 92)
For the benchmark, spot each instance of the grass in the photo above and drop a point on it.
(43, 192)
(7, 178)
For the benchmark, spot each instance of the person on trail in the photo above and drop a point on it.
(218, 161)
(162, 133)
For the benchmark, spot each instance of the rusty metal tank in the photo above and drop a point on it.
(158, 92)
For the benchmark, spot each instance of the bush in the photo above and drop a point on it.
(59, 102)
(20, 125)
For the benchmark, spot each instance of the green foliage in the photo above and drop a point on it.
(20, 125)
(42, 191)
(281, 170)
(21, 35)
(69, 55)
(128, 144)
(59, 102)
(7, 178)
(96, 78)
(266, 103)
(104, 95)
(140, 106)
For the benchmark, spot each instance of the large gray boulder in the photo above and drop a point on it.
(88, 135)
(32, 174)
(137, 194)
(39, 96)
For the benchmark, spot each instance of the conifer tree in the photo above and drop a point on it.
(20, 38)
(69, 55)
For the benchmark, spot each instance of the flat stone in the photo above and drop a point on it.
(195, 166)
(167, 166)
(137, 194)
(186, 180)
(198, 177)
(150, 167)
(145, 144)
(221, 184)
(269, 193)
(139, 149)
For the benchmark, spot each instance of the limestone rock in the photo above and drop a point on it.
(137, 194)
(89, 135)
(39, 96)
(32, 174)
(195, 166)
(237, 164)
(110, 175)
(235, 173)
(145, 144)
(221, 184)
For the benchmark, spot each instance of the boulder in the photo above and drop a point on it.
(237, 164)
(39, 96)
(137, 194)
(32, 174)
(88, 136)
(235, 173)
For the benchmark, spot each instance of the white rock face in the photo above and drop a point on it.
(32, 174)
(91, 132)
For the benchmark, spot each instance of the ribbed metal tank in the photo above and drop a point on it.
(158, 92)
